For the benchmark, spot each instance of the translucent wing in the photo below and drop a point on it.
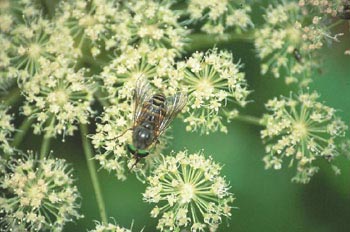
(174, 105)
(142, 94)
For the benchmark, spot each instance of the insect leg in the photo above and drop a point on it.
(121, 134)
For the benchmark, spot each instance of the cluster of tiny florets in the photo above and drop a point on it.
(213, 82)
(156, 24)
(30, 43)
(301, 129)
(37, 195)
(288, 41)
(333, 7)
(189, 193)
(120, 76)
(109, 227)
(219, 16)
(58, 97)
(90, 21)
(110, 141)
(6, 130)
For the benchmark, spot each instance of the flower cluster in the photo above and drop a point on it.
(156, 24)
(189, 193)
(110, 140)
(288, 41)
(213, 82)
(219, 15)
(109, 227)
(120, 76)
(6, 129)
(302, 129)
(28, 44)
(58, 97)
(90, 21)
(332, 8)
(37, 195)
(109, 25)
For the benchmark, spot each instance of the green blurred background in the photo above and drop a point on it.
(266, 199)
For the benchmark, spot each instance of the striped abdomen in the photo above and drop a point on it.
(155, 109)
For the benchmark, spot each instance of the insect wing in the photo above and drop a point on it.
(142, 94)
(174, 105)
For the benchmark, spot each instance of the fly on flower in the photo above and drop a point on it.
(153, 113)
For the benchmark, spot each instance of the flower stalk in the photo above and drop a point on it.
(249, 119)
(22, 131)
(45, 145)
(12, 97)
(93, 173)
(200, 40)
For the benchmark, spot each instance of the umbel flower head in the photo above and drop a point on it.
(14, 11)
(30, 43)
(90, 21)
(14, 14)
(303, 130)
(109, 227)
(288, 41)
(154, 23)
(329, 7)
(6, 129)
(58, 97)
(37, 195)
(220, 15)
(213, 83)
(189, 193)
(120, 76)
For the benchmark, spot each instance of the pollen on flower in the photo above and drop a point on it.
(188, 193)
(303, 129)
(32, 200)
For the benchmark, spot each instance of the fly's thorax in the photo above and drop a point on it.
(142, 136)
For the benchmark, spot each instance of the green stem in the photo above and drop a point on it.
(12, 97)
(101, 98)
(335, 24)
(93, 174)
(201, 40)
(249, 119)
(22, 131)
(45, 145)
